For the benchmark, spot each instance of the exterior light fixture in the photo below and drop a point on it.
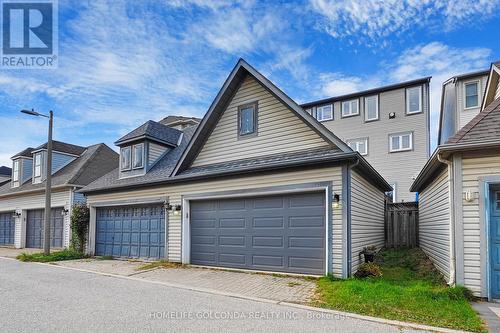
(167, 206)
(336, 201)
(17, 214)
(177, 210)
(469, 196)
(64, 211)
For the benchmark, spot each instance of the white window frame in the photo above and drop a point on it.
(134, 147)
(122, 151)
(400, 135)
(478, 90)
(420, 100)
(376, 107)
(357, 142)
(350, 114)
(15, 173)
(37, 169)
(320, 109)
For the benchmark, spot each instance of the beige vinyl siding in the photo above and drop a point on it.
(466, 115)
(60, 198)
(434, 222)
(155, 151)
(175, 193)
(397, 168)
(497, 92)
(367, 217)
(279, 129)
(472, 169)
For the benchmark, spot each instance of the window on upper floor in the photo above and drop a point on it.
(37, 165)
(138, 156)
(247, 123)
(471, 94)
(324, 112)
(359, 145)
(125, 158)
(350, 108)
(15, 171)
(400, 142)
(414, 100)
(371, 108)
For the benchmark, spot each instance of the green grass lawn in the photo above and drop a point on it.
(410, 289)
(54, 256)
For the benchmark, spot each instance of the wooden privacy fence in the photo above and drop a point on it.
(401, 225)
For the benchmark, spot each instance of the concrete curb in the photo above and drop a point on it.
(397, 323)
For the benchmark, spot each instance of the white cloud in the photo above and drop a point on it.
(369, 21)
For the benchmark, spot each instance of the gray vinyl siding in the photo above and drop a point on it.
(472, 169)
(466, 115)
(397, 168)
(26, 169)
(154, 152)
(279, 129)
(60, 198)
(434, 222)
(59, 161)
(176, 192)
(367, 218)
(78, 198)
(449, 113)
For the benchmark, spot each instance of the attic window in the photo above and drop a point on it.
(471, 94)
(38, 165)
(125, 158)
(15, 171)
(247, 115)
(138, 162)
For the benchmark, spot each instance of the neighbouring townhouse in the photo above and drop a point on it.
(259, 184)
(5, 174)
(461, 100)
(389, 126)
(460, 198)
(22, 200)
(179, 122)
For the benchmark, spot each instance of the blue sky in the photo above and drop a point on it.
(122, 63)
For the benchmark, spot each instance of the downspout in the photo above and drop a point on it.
(348, 222)
(451, 280)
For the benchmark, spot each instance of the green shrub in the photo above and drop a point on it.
(80, 218)
(367, 270)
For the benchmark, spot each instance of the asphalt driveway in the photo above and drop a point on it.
(48, 298)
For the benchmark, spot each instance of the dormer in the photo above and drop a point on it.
(142, 148)
(22, 165)
(62, 155)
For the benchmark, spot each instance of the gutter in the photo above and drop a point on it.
(451, 182)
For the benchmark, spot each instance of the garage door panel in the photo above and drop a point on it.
(266, 235)
(7, 228)
(133, 232)
(35, 225)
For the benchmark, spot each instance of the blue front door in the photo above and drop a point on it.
(495, 242)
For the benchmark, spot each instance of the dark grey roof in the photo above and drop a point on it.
(25, 153)
(63, 147)
(485, 126)
(169, 120)
(154, 131)
(95, 161)
(5, 171)
(368, 92)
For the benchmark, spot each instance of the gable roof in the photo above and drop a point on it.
(174, 120)
(153, 131)
(63, 147)
(95, 161)
(223, 98)
(5, 171)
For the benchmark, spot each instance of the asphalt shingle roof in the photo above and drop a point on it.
(173, 119)
(5, 171)
(153, 130)
(63, 147)
(483, 127)
(94, 161)
(25, 153)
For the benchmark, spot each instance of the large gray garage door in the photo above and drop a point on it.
(283, 233)
(34, 228)
(7, 228)
(131, 232)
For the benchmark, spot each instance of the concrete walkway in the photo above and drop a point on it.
(255, 285)
(11, 252)
(490, 313)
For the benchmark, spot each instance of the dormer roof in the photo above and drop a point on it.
(154, 131)
(62, 147)
(25, 153)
